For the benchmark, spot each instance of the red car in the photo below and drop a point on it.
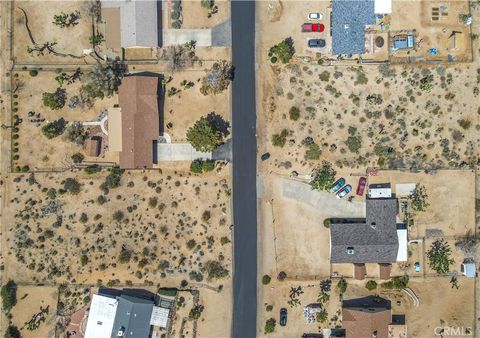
(362, 182)
(313, 27)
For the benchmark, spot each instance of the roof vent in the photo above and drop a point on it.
(373, 225)
(346, 26)
(350, 250)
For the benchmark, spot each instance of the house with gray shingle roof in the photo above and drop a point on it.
(349, 19)
(378, 238)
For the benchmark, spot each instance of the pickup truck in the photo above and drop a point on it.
(313, 27)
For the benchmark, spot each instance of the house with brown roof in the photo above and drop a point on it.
(134, 126)
(371, 317)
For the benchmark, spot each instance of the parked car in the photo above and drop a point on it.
(265, 156)
(362, 182)
(313, 27)
(337, 185)
(315, 16)
(283, 316)
(316, 43)
(344, 191)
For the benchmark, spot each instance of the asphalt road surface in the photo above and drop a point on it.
(244, 153)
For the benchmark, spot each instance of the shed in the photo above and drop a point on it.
(93, 146)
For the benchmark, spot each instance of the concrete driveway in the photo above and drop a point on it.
(325, 202)
(172, 37)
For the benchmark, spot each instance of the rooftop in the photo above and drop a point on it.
(349, 18)
(370, 240)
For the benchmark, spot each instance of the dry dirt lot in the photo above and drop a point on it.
(29, 301)
(451, 195)
(195, 16)
(165, 227)
(35, 150)
(69, 40)
(183, 109)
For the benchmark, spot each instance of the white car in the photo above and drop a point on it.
(315, 16)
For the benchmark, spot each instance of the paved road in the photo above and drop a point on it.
(244, 171)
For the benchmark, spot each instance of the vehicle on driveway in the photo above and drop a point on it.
(315, 16)
(316, 43)
(337, 185)
(362, 182)
(313, 27)
(283, 316)
(265, 156)
(344, 191)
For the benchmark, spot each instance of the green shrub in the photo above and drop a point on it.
(371, 285)
(55, 100)
(118, 215)
(208, 165)
(204, 136)
(324, 177)
(195, 312)
(270, 325)
(266, 279)
(294, 113)
(283, 50)
(196, 166)
(324, 76)
(342, 285)
(327, 222)
(54, 128)
(78, 158)
(72, 186)
(279, 140)
(9, 295)
(12, 332)
(92, 169)
(354, 144)
(215, 270)
(33, 73)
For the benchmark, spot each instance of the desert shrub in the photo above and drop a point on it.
(419, 198)
(269, 308)
(324, 76)
(327, 222)
(52, 193)
(101, 199)
(439, 256)
(191, 244)
(71, 185)
(55, 100)
(281, 276)
(76, 133)
(196, 166)
(78, 158)
(204, 135)
(218, 78)
(294, 113)
(124, 256)
(104, 79)
(113, 179)
(465, 124)
(283, 50)
(224, 240)
(33, 73)
(354, 144)
(92, 169)
(25, 169)
(208, 4)
(118, 216)
(54, 128)
(215, 270)
(397, 283)
(195, 312)
(152, 202)
(9, 295)
(206, 215)
(371, 285)
(322, 316)
(266, 279)
(83, 218)
(270, 325)
(96, 39)
(342, 285)
(12, 332)
(208, 165)
(279, 140)
(84, 260)
(313, 152)
(324, 177)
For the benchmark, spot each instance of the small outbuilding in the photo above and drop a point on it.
(468, 269)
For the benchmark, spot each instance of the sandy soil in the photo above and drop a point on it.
(183, 109)
(195, 16)
(157, 244)
(40, 17)
(35, 150)
(451, 195)
(29, 301)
